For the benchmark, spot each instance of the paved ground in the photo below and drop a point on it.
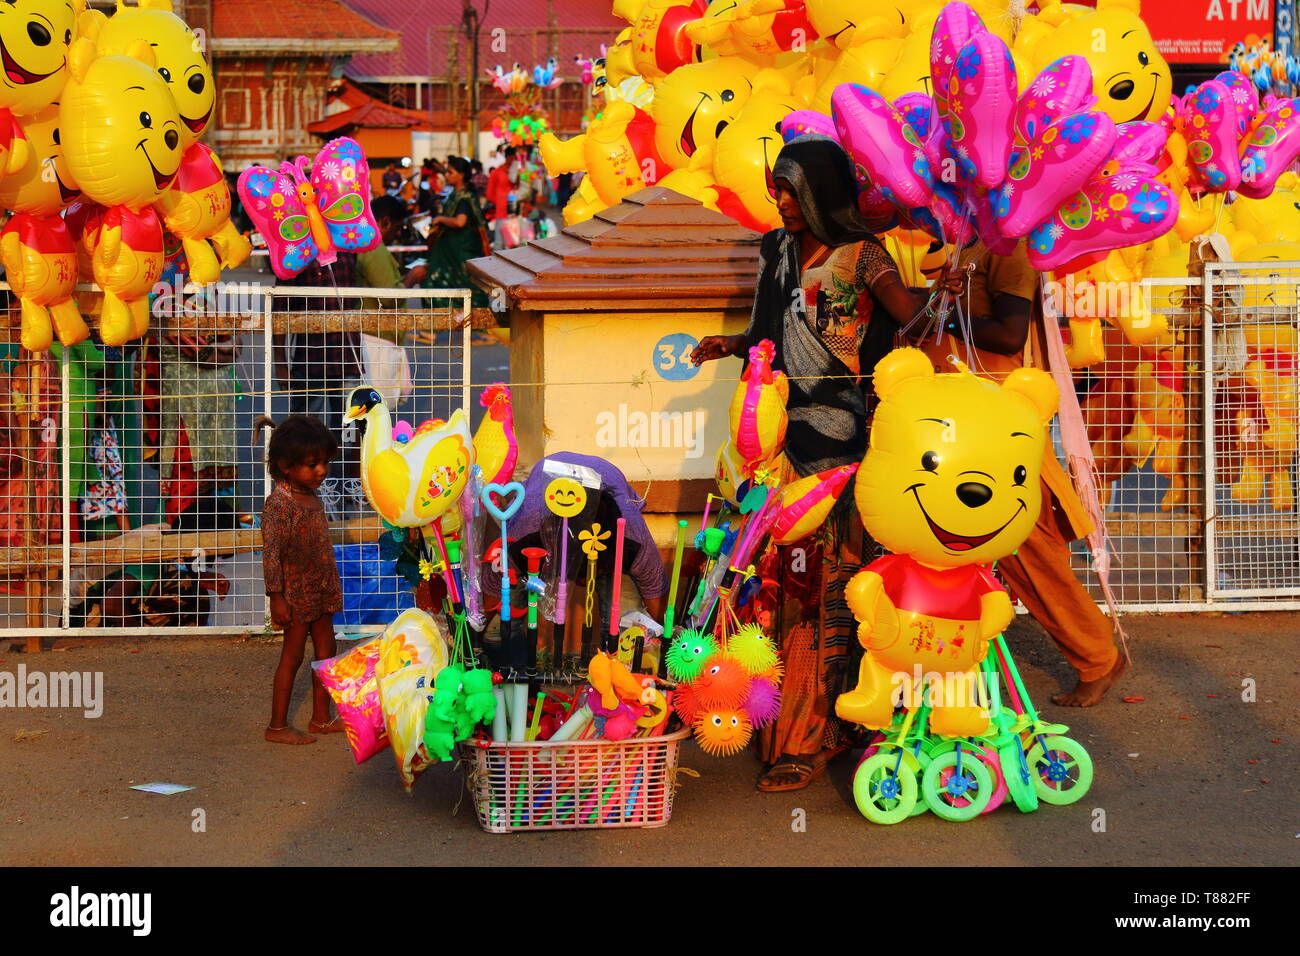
(1184, 777)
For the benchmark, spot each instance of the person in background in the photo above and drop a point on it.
(998, 294)
(392, 180)
(478, 179)
(460, 234)
(378, 268)
(498, 185)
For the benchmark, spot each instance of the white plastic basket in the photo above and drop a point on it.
(573, 785)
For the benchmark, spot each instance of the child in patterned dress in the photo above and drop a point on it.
(302, 579)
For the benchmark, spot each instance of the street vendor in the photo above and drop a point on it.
(830, 298)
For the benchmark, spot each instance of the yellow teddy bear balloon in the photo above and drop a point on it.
(606, 154)
(695, 103)
(121, 136)
(949, 484)
(1130, 78)
(39, 254)
(196, 207)
(34, 39)
(746, 150)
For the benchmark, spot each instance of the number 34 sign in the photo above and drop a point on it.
(672, 357)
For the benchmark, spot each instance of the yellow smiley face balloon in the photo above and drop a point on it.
(34, 39)
(44, 185)
(695, 103)
(178, 58)
(566, 497)
(120, 128)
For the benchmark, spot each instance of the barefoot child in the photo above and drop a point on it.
(302, 580)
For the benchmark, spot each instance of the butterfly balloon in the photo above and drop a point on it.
(310, 210)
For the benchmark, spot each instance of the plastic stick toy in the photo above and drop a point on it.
(513, 652)
(453, 592)
(612, 645)
(534, 587)
(669, 614)
(536, 723)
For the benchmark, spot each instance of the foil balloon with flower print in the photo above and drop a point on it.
(1209, 121)
(1060, 143)
(979, 112)
(1124, 204)
(310, 210)
(1269, 146)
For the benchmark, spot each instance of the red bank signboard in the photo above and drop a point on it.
(1201, 31)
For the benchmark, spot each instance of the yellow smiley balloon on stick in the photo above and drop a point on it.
(34, 39)
(565, 497)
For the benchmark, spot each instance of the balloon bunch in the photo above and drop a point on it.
(1268, 70)
(100, 119)
(520, 130)
(978, 160)
(507, 83)
(1235, 143)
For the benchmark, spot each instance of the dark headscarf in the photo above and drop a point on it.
(823, 180)
(830, 426)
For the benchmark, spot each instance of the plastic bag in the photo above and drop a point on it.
(350, 680)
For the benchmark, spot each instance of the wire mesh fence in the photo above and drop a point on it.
(134, 478)
(131, 481)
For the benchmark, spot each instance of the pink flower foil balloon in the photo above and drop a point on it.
(1245, 101)
(1140, 142)
(1063, 87)
(804, 122)
(980, 111)
(1210, 125)
(956, 25)
(922, 115)
(1123, 205)
(1270, 146)
(876, 137)
(1059, 159)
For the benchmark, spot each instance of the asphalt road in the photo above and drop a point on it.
(1191, 775)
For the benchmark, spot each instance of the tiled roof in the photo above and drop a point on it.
(427, 26)
(316, 22)
(371, 115)
(654, 246)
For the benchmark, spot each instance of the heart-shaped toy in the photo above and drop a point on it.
(512, 494)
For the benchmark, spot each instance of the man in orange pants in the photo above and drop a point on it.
(998, 299)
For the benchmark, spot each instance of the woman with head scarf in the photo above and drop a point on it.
(458, 235)
(830, 297)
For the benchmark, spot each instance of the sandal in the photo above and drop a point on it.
(334, 726)
(797, 773)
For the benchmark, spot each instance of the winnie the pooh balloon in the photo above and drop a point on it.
(121, 134)
(1130, 78)
(39, 254)
(34, 39)
(196, 207)
(950, 483)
